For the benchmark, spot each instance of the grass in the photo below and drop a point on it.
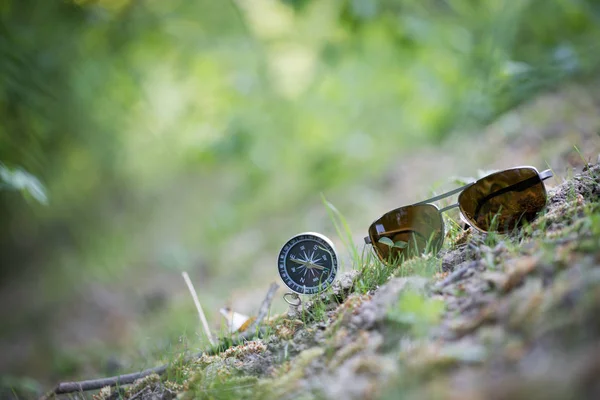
(574, 223)
(355, 99)
(585, 162)
(342, 229)
(415, 313)
(372, 273)
(553, 300)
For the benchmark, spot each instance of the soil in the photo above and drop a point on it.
(519, 319)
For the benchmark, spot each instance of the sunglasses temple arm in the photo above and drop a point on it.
(449, 208)
(546, 174)
(543, 176)
(444, 195)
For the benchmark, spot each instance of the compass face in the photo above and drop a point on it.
(308, 263)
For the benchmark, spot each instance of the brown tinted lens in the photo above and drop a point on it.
(503, 201)
(407, 231)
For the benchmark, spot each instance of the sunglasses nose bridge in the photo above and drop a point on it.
(450, 207)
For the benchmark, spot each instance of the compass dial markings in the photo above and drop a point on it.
(295, 260)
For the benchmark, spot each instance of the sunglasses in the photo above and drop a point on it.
(500, 202)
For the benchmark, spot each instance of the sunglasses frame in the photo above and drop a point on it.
(546, 174)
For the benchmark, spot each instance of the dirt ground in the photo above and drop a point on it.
(513, 317)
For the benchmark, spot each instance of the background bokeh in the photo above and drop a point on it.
(139, 139)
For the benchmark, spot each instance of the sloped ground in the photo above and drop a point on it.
(133, 320)
(511, 317)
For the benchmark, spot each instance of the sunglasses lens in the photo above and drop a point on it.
(503, 201)
(406, 232)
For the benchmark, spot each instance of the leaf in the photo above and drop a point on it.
(386, 241)
(417, 310)
(19, 179)
(400, 244)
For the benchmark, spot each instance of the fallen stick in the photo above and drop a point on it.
(262, 312)
(95, 384)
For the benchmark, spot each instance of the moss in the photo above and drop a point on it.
(253, 347)
(286, 329)
(288, 381)
(520, 290)
(358, 344)
(104, 394)
(143, 382)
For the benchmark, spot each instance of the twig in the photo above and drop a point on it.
(262, 313)
(190, 286)
(94, 384)
(254, 327)
(137, 394)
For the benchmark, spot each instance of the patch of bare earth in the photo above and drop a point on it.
(520, 320)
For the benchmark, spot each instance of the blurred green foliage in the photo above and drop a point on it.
(158, 130)
(260, 103)
(416, 312)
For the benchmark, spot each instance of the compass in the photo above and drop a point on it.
(308, 263)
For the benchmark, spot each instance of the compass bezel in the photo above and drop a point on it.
(283, 259)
